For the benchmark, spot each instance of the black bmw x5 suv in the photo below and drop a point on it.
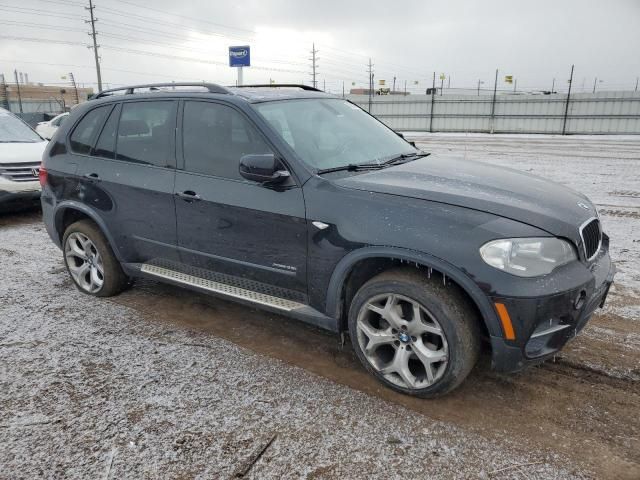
(299, 202)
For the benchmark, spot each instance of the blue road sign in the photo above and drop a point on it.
(240, 56)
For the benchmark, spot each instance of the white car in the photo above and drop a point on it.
(47, 129)
(20, 155)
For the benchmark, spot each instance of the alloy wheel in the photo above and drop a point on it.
(402, 340)
(84, 262)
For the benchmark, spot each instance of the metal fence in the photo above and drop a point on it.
(587, 113)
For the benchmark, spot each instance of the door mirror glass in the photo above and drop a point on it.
(262, 168)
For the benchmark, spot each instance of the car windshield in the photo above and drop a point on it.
(12, 129)
(332, 133)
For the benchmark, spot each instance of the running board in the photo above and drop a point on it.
(223, 289)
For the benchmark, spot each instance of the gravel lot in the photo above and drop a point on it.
(164, 383)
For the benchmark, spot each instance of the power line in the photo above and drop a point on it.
(40, 25)
(32, 11)
(172, 14)
(42, 40)
(142, 52)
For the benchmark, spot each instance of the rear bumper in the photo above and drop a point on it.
(543, 325)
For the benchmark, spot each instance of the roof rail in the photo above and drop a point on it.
(275, 85)
(211, 87)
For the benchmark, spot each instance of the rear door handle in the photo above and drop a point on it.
(189, 195)
(94, 177)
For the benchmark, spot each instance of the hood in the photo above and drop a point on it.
(21, 152)
(501, 191)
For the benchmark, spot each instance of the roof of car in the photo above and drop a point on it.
(265, 94)
(251, 93)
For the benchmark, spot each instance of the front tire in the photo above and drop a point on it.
(90, 261)
(414, 334)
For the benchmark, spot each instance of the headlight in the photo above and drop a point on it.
(528, 257)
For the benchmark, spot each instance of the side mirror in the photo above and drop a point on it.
(413, 144)
(262, 168)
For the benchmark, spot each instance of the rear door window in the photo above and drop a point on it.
(85, 133)
(146, 133)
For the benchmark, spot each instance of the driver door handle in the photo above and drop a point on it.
(189, 195)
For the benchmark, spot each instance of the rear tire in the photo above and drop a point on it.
(90, 261)
(414, 334)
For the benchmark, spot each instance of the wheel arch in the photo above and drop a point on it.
(349, 264)
(69, 212)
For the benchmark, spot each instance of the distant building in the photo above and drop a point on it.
(39, 98)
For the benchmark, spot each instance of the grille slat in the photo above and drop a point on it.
(20, 172)
(591, 234)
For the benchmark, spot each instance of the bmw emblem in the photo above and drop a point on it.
(404, 337)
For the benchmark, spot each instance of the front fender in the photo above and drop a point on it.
(346, 264)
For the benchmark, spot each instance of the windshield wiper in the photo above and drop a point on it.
(405, 157)
(352, 167)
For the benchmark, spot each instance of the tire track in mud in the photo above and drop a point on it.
(537, 406)
(620, 213)
(625, 193)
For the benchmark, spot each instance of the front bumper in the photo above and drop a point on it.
(543, 325)
(9, 199)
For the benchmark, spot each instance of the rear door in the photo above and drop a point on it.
(228, 224)
(128, 177)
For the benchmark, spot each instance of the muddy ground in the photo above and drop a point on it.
(160, 382)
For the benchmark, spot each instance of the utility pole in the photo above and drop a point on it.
(15, 73)
(493, 103)
(553, 84)
(448, 82)
(75, 87)
(595, 80)
(433, 99)
(370, 70)
(394, 85)
(515, 84)
(314, 65)
(566, 107)
(441, 83)
(637, 83)
(95, 43)
(405, 88)
(480, 82)
(4, 96)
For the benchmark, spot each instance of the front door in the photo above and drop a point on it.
(228, 224)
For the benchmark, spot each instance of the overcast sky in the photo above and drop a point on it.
(535, 41)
